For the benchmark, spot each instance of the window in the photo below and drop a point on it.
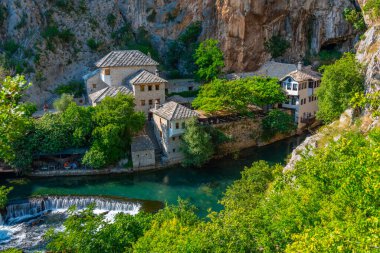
(107, 72)
(158, 101)
(190, 88)
(294, 100)
(183, 125)
(142, 102)
(288, 86)
(157, 87)
(310, 85)
(180, 137)
(173, 150)
(301, 101)
(149, 87)
(150, 102)
(287, 100)
(94, 85)
(177, 125)
(309, 99)
(142, 88)
(173, 138)
(295, 86)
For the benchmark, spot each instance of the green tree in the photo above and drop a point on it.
(276, 46)
(197, 144)
(115, 123)
(339, 84)
(78, 120)
(277, 121)
(4, 191)
(209, 59)
(235, 96)
(91, 233)
(173, 229)
(63, 102)
(356, 18)
(13, 116)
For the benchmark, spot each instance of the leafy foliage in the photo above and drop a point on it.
(356, 18)
(340, 82)
(276, 46)
(372, 7)
(278, 121)
(209, 59)
(63, 102)
(237, 95)
(179, 56)
(88, 232)
(93, 44)
(13, 116)
(111, 20)
(115, 123)
(74, 87)
(369, 101)
(197, 144)
(4, 196)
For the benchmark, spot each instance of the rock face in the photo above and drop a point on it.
(242, 26)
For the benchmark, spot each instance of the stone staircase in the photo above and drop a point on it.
(149, 130)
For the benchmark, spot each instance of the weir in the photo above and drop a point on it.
(35, 207)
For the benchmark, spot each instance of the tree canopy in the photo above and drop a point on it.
(340, 82)
(237, 95)
(209, 59)
(278, 121)
(197, 144)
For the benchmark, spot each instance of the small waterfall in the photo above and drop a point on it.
(35, 207)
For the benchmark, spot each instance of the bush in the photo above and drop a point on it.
(276, 46)
(111, 20)
(10, 47)
(277, 121)
(95, 158)
(355, 18)
(93, 44)
(372, 7)
(74, 87)
(340, 82)
(63, 103)
(66, 35)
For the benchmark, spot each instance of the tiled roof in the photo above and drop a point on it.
(270, 68)
(141, 143)
(125, 58)
(174, 111)
(98, 96)
(180, 100)
(303, 75)
(144, 77)
(91, 74)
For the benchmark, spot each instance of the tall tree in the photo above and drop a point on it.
(197, 144)
(340, 82)
(209, 59)
(115, 123)
(13, 116)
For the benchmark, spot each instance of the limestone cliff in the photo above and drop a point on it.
(242, 26)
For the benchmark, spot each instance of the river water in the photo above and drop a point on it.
(203, 187)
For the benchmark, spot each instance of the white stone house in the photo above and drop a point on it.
(127, 72)
(169, 126)
(300, 87)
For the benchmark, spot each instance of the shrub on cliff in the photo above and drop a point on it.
(276, 46)
(209, 59)
(4, 196)
(340, 82)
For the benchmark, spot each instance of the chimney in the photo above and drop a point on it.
(300, 65)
